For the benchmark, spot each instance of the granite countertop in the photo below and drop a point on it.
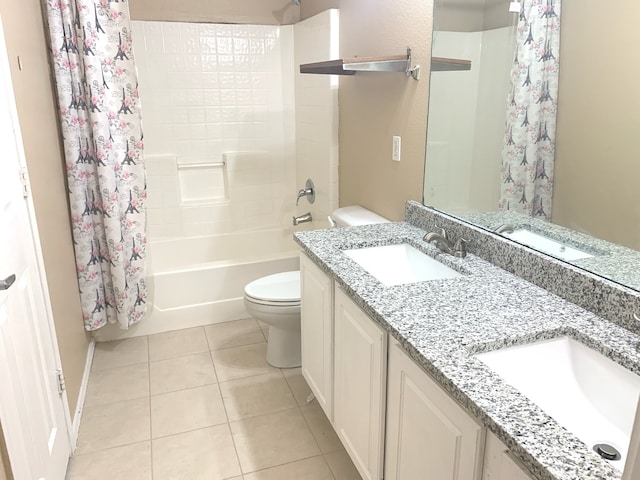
(443, 323)
(609, 260)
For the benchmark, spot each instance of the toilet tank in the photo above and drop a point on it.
(354, 215)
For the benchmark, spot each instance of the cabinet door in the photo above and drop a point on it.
(428, 436)
(316, 297)
(360, 386)
(498, 463)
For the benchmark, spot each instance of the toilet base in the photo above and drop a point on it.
(283, 347)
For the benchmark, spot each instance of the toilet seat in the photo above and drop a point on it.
(279, 290)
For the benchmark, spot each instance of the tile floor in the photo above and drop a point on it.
(202, 403)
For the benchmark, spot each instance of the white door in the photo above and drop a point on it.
(428, 435)
(317, 332)
(360, 386)
(32, 411)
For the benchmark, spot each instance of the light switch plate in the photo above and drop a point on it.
(397, 147)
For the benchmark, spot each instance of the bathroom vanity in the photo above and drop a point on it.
(395, 367)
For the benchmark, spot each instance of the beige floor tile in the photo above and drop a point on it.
(265, 329)
(233, 334)
(273, 439)
(185, 410)
(241, 362)
(314, 468)
(298, 384)
(117, 384)
(178, 343)
(321, 428)
(182, 372)
(206, 454)
(113, 425)
(341, 466)
(258, 395)
(130, 461)
(120, 353)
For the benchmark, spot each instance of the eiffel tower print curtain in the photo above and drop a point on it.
(99, 113)
(530, 130)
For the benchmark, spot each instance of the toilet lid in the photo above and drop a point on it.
(281, 287)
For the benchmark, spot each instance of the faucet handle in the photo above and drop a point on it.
(443, 232)
(460, 248)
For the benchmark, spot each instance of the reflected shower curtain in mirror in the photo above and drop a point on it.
(99, 113)
(530, 129)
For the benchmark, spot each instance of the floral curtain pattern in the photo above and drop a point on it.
(529, 144)
(99, 112)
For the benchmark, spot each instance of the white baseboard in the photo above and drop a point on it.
(77, 417)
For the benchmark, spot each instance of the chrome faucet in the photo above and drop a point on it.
(505, 229)
(307, 191)
(302, 219)
(442, 242)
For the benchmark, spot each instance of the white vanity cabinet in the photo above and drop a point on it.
(316, 296)
(360, 386)
(499, 464)
(428, 435)
(390, 415)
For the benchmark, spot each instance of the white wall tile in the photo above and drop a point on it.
(209, 89)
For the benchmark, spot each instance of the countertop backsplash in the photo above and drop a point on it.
(599, 295)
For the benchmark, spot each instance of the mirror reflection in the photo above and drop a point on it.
(536, 139)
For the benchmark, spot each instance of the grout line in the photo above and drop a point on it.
(289, 463)
(226, 413)
(313, 435)
(238, 346)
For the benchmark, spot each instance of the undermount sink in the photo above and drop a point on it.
(400, 264)
(587, 393)
(546, 245)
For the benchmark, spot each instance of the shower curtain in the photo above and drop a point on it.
(529, 143)
(99, 113)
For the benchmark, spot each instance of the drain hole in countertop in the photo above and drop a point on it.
(607, 451)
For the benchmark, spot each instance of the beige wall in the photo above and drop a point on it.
(259, 12)
(376, 106)
(597, 169)
(472, 15)
(24, 32)
(309, 8)
(458, 17)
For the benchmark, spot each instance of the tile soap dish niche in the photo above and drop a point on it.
(203, 182)
(350, 66)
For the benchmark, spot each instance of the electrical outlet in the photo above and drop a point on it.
(397, 147)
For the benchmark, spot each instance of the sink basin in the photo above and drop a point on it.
(547, 245)
(400, 264)
(587, 393)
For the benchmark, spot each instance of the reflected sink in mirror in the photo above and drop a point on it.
(587, 393)
(400, 264)
(546, 245)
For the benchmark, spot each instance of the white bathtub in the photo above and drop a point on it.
(200, 280)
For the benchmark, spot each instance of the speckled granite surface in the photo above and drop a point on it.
(601, 296)
(442, 323)
(609, 260)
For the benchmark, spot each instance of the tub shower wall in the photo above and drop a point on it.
(209, 92)
(222, 153)
(219, 122)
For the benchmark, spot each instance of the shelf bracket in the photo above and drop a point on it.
(413, 72)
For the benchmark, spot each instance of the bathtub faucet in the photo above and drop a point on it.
(308, 191)
(302, 219)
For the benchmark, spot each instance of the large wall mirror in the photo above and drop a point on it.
(542, 149)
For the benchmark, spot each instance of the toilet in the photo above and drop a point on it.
(275, 299)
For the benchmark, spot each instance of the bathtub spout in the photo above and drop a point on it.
(302, 219)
